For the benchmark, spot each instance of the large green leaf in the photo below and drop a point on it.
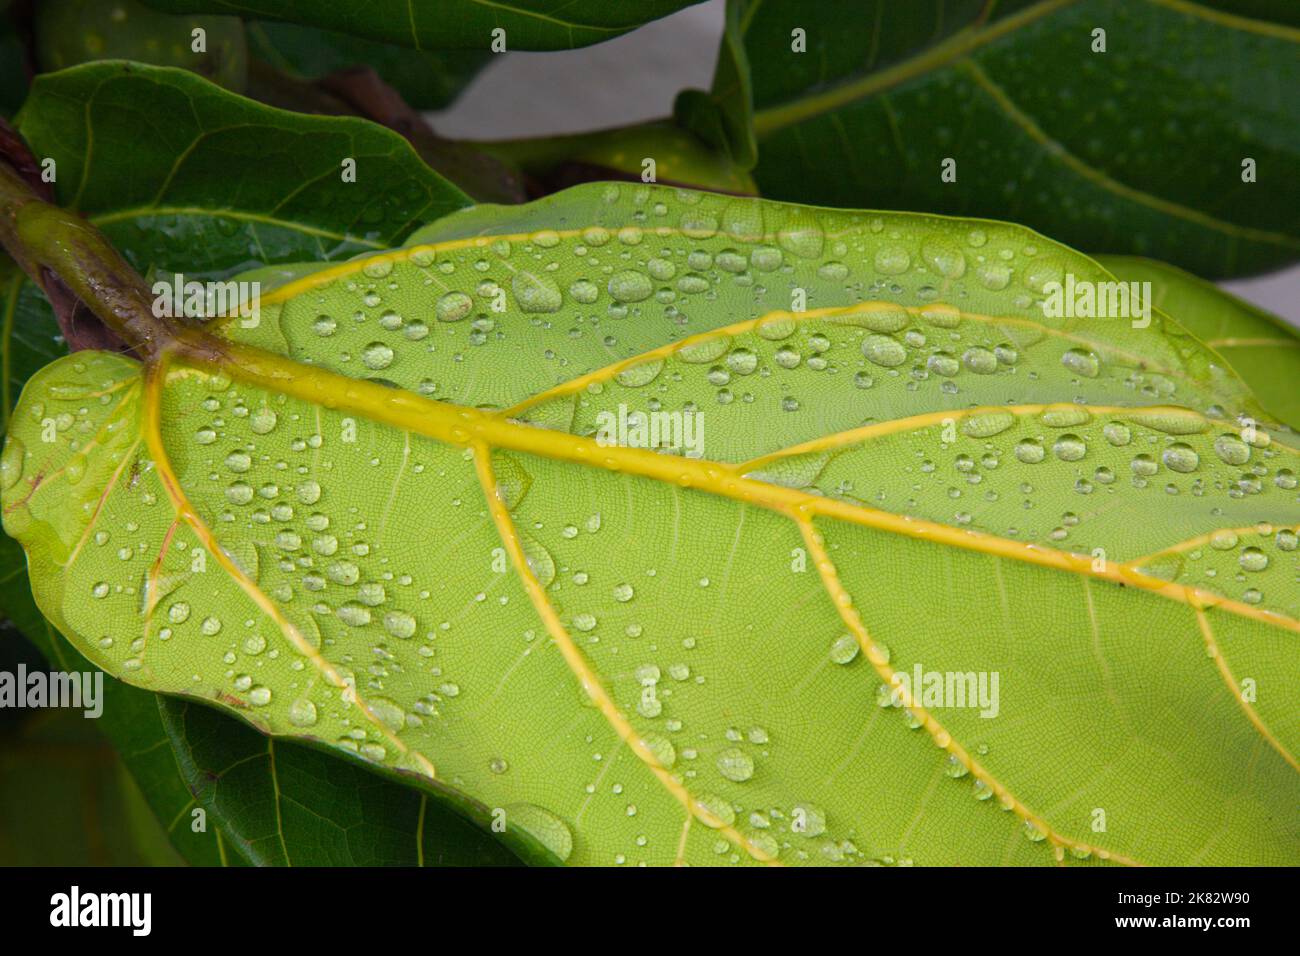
(199, 224)
(414, 550)
(453, 24)
(220, 183)
(182, 175)
(1260, 346)
(1136, 150)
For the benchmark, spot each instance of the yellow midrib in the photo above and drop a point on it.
(482, 431)
(463, 427)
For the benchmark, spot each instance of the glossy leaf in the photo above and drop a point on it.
(1136, 150)
(219, 183)
(426, 79)
(724, 118)
(453, 24)
(388, 521)
(1260, 346)
(183, 175)
(70, 32)
(289, 805)
(232, 227)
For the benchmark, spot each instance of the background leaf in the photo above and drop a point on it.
(453, 24)
(427, 79)
(65, 796)
(183, 175)
(1138, 150)
(891, 481)
(70, 32)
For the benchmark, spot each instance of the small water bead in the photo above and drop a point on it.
(399, 624)
(1287, 540)
(1252, 559)
(661, 748)
(703, 351)
(1232, 449)
(1144, 466)
(325, 325)
(262, 421)
(302, 713)
(807, 820)
(1064, 416)
(1069, 447)
(892, 260)
(987, 424)
(239, 493)
(354, 614)
(742, 361)
(377, 355)
(844, 649)
(1285, 479)
(1181, 457)
(787, 357)
(715, 812)
(1081, 362)
(641, 374)
(942, 363)
(980, 360)
(736, 765)
(1030, 451)
(390, 321)
(536, 294)
(630, 286)
(1117, 433)
(178, 613)
(210, 627)
(884, 351)
(1225, 539)
(260, 696)
(944, 258)
(453, 307)
(239, 461)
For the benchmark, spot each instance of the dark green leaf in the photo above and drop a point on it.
(289, 805)
(453, 24)
(65, 796)
(181, 174)
(426, 79)
(69, 32)
(1136, 150)
(725, 118)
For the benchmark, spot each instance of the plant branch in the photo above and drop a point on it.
(67, 256)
